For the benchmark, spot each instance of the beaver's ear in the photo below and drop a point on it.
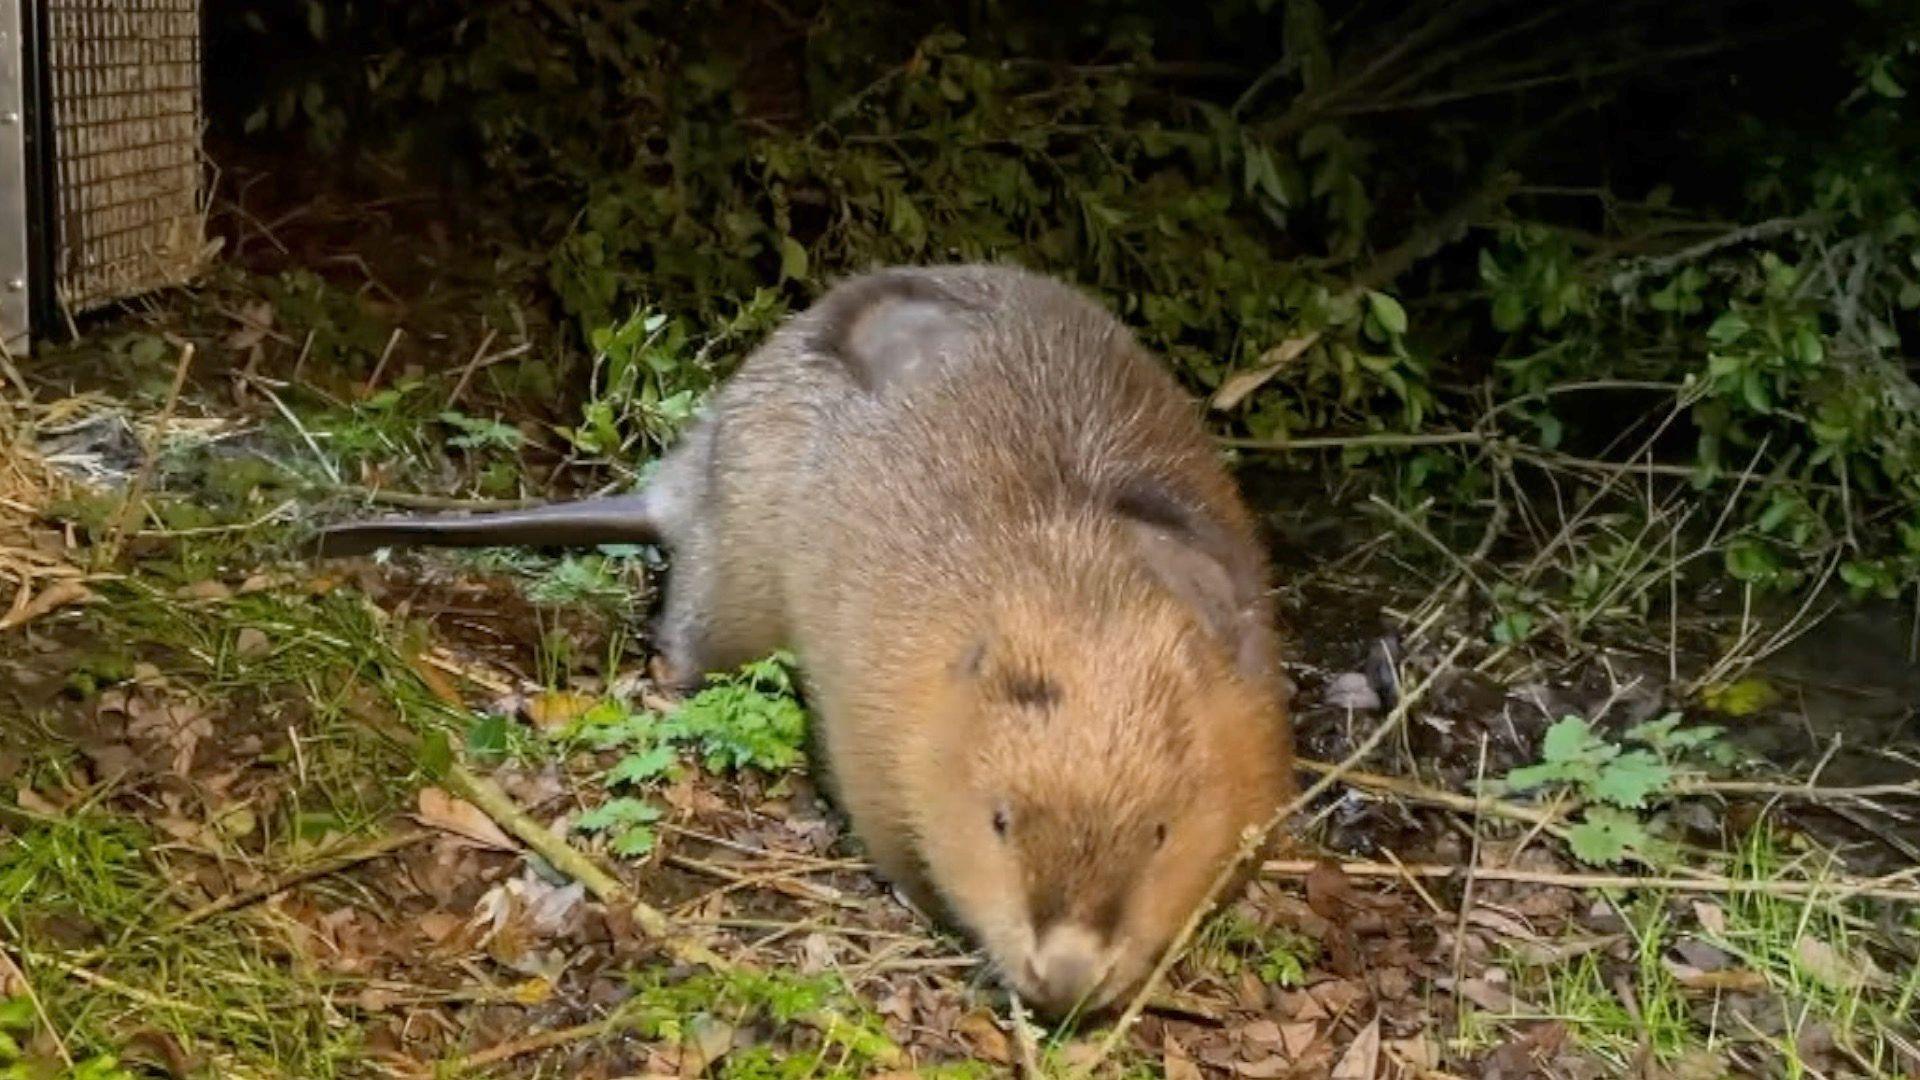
(1207, 568)
(889, 328)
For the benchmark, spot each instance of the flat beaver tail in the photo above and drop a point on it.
(619, 519)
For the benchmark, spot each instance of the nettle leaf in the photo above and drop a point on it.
(1606, 836)
(1572, 739)
(641, 767)
(1630, 778)
(634, 842)
(618, 813)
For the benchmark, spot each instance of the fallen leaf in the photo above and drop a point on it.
(1352, 690)
(1301, 1005)
(55, 596)
(1729, 979)
(1362, 1058)
(1418, 1053)
(251, 643)
(1835, 969)
(707, 1039)
(1298, 1038)
(1264, 1032)
(1174, 1062)
(442, 811)
(1236, 388)
(34, 803)
(205, 589)
(985, 1037)
(1266, 1068)
(557, 708)
(1712, 919)
(1486, 995)
(1329, 893)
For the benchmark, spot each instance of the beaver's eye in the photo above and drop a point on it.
(1160, 835)
(1001, 821)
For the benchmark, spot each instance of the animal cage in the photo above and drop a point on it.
(101, 181)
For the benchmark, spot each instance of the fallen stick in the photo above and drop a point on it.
(605, 887)
(333, 863)
(1837, 888)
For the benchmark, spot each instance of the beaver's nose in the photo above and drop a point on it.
(1067, 967)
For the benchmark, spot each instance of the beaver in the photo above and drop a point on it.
(1029, 608)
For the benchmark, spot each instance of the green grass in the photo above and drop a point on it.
(1767, 935)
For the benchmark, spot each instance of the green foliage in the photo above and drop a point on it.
(683, 195)
(1232, 943)
(18, 1018)
(850, 1038)
(1613, 782)
(747, 719)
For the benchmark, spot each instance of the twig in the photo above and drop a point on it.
(1351, 442)
(40, 1010)
(150, 458)
(1834, 888)
(1432, 796)
(481, 359)
(541, 1040)
(380, 367)
(1466, 890)
(1023, 1038)
(578, 865)
(322, 867)
(1249, 844)
(306, 436)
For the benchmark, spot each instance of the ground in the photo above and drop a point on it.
(429, 817)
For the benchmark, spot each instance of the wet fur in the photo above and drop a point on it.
(997, 537)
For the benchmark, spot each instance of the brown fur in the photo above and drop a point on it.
(1030, 607)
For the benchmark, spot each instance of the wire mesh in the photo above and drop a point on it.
(125, 78)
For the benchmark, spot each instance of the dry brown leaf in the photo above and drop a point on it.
(208, 589)
(1419, 1053)
(1263, 1032)
(1834, 968)
(1712, 919)
(1236, 388)
(1485, 994)
(54, 597)
(1301, 1005)
(251, 643)
(1362, 1058)
(1174, 1062)
(557, 708)
(1299, 1038)
(1329, 893)
(1731, 979)
(34, 803)
(1502, 924)
(437, 682)
(439, 810)
(706, 1040)
(1266, 1068)
(985, 1037)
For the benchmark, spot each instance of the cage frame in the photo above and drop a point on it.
(51, 246)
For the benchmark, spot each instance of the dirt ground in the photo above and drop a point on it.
(266, 817)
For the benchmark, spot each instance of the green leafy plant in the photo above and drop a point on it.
(1613, 782)
(747, 719)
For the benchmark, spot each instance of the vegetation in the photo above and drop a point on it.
(1596, 380)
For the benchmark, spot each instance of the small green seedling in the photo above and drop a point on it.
(1613, 782)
